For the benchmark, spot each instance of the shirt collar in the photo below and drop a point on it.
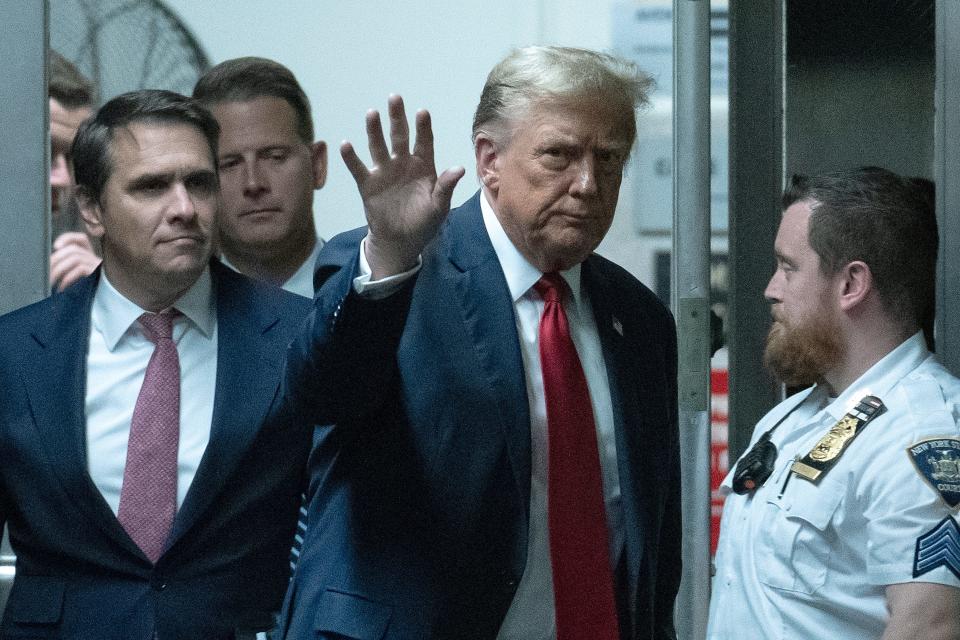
(883, 375)
(301, 282)
(113, 313)
(519, 273)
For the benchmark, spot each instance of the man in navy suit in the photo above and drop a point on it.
(139, 469)
(459, 494)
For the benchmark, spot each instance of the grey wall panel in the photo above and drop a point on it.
(756, 181)
(947, 176)
(24, 161)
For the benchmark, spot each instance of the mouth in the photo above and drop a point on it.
(186, 240)
(262, 211)
(578, 219)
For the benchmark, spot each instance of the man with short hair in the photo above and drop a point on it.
(838, 522)
(504, 460)
(71, 102)
(270, 166)
(139, 425)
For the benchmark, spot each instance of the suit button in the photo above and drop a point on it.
(158, 583)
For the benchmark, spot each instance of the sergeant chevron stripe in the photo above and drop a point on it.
(939, 546)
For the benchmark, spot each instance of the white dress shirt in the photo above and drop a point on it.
(116, 364)
(301, 282)
(799, 559)
(531, 615)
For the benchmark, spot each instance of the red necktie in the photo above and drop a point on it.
(579, 551)
(148, 497)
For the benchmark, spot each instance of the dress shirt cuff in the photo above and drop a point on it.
(378, 289)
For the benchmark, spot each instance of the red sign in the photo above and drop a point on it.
(719, 462)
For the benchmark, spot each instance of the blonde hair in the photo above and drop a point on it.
(540, 73)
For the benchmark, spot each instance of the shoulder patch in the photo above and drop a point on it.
(939, 546)
(937, 460)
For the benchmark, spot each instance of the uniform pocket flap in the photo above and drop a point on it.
(814, 504)
(36, 600)
(351, 616)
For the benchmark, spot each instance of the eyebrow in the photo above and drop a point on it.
(782, 258)
(170, 176)
(259, 150)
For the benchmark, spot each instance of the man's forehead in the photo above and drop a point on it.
(147, 132)
(796, 218)
(571, 116)
(793, 238)
(63, 120)
(260, 116)
(142, 144)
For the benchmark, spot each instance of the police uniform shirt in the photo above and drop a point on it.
(799, 559)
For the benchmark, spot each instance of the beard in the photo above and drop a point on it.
(801, 354)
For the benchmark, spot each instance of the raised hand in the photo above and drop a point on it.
(403, 198)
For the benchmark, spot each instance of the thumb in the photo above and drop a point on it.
(443, 189)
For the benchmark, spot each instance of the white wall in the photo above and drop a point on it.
(350, 55)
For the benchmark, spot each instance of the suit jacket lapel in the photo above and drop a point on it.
(488, 316)
(615, 326)
(56, 386)
(248, 377)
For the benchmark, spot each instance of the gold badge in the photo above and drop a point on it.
(832, 444)
(828, 450)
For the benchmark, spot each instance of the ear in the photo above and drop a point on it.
(856, 283)
(91, 213)
(487, 154)
(318, 159)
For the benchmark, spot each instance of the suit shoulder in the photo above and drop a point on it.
(26, 314)
(72, 300)
(290, 304)
(338, 253)
(341, 248)
(627, 285)
(244, 292)
(18, 323)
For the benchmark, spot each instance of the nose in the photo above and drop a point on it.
(772, 292)
(584, 181)
(254, 180)
(183, 207)
(59, 171)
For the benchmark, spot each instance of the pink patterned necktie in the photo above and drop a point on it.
(576, 518)
(148, 497)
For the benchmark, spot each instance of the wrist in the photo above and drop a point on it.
(388, 258)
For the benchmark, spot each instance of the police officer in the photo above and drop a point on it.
(839, 521)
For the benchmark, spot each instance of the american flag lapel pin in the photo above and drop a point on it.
(618, 326)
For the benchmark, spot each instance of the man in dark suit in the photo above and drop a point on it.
(140, 432)
(504, 460)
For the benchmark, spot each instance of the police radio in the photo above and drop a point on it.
(756, 466)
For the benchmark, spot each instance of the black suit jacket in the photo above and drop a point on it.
(420, 493)
(79, 575)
